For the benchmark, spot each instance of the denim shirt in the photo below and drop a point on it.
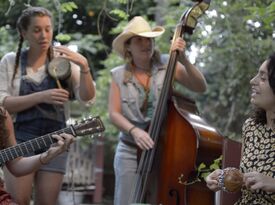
(132, 94)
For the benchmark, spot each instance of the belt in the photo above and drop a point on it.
(130, 144)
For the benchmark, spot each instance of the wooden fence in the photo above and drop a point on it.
(85, 170)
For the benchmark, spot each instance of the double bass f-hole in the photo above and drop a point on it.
(159, 168)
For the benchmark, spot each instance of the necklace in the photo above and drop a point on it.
(146, 85)
(142, 70)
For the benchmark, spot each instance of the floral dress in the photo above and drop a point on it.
(258, 155)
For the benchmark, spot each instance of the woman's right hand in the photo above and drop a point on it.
(212, 180)
(55, 96)
(142, 139)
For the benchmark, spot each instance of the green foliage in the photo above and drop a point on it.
(203, 171)
(6, 41)
(235, 49)
(103, 82)
(122, 1)
(120, 13)
(232, 40)
(68, 6)
(90, 43)
(63, 37)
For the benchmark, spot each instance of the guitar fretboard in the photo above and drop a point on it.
(30, 146)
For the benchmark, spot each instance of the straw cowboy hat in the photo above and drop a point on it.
(138, 26)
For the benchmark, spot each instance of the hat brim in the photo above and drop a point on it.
(119, 41)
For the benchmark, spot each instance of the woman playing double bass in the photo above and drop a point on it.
(134, 93)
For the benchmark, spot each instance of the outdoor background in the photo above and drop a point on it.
(228, 45)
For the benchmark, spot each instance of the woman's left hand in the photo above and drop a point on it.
(62, 144)
(212, 180)
(179, 44)
(75, 57)
(256, 180)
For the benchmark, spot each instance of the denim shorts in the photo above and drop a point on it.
(36, 128)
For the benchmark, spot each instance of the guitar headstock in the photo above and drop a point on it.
(91, 125)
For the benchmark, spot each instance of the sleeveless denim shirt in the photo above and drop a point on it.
(132, 94)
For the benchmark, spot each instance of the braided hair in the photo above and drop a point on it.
(22, 24)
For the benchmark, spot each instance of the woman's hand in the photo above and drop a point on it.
(179, 45)
(62, 144)
(54, 96)
(142, 139)
(256, 180)
(212, 180)
(75, 57)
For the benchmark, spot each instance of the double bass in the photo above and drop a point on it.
(182, 139)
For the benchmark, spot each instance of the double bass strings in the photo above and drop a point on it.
(147, 157)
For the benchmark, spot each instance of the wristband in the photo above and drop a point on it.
(41, 161)
(230, 179)
(131, 129)
(85, 71)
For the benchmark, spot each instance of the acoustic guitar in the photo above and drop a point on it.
(89, 126)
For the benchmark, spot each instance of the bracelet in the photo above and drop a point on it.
(230, 179)
(41, 161)
(131, 129)
(85, 71)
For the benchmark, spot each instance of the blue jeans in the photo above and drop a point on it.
(125, 165)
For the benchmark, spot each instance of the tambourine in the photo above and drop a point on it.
(59, 68)
(230, 179)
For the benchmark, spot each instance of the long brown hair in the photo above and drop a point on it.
(156, 58)
(23, 23)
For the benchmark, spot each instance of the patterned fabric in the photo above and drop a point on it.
(5, 198)
(258, 155)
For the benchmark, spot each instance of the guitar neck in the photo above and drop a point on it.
(30, 146)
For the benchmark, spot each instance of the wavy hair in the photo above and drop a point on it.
(259, 114)
(156, 58)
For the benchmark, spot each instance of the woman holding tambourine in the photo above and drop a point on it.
(36, 85)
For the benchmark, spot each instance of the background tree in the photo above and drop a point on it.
(230, 41)
(237, 38)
